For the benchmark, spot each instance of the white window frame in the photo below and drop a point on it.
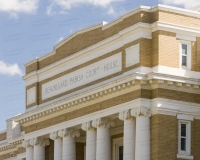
(188, 138)
(118, 142)
(189, 54)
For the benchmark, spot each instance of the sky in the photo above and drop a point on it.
(30, 28)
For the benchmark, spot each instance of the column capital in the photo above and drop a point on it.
(103, 122)
(87, 126)
(141, 111)
(125, 115)
(27, 143)
(54, 135)
(41, 142)
(69, 133)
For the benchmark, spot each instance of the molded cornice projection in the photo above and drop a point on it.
(151, 81)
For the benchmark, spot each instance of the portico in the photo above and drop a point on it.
(98, 138)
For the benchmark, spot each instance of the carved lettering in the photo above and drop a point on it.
(83, 76)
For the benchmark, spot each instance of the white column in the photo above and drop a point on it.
(39, 148)
(103, 147)
(29, 149)
(57, 145)
(143, 147)
(69, 144)
(129, 135)
(90, 140)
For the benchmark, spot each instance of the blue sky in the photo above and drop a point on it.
(30, 28)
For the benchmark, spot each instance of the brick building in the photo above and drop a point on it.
(127, 89)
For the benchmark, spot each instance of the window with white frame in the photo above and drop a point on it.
(184, 137)
(185, 54)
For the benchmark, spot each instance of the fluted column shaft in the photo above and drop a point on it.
(103, 147)
(28, 144)
(90, 140)
(39, 152)
(129, 135)
(57, 145)
(29, 153)
(143, 149)
(69, 144)
(39, 148)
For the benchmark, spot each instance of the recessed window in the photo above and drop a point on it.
(185, 54)
(118, 149)
(184, 137)
(121, 153)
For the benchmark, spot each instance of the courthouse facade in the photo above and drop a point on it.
(123, 90)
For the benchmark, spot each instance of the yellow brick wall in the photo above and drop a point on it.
(179, 19)
(165, 49)
(164, 137)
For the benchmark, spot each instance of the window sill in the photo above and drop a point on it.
(186, 68)
(182, 156)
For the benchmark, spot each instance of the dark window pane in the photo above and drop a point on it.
(183, 144)
(184, 49)
(121, 153)
(183, 130)
(184, 61)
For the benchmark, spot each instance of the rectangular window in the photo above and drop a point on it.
(184, 137)
(185, 54)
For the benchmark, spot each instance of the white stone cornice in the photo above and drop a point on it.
(141, 111)
(164, 111)
(115, 85)
(124, 83)
(179, 29)
(152, 77)
(8, 145)
(125, 115)
(157, 105)
(87, 126)
(103, 122)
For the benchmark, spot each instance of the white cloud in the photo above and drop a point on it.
(14, 16)
(184, 3)
(26, 6)
(50, 10)
(10, 69)
(111, 11)
(63, 12)
(60, 39)
(68, 4)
